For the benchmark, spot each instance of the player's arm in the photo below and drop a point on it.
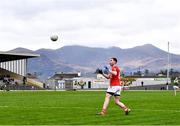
(107, 76)
(113, 72)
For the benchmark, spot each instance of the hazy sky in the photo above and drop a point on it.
(94, 23)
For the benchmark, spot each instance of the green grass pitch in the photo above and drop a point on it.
(80, 108)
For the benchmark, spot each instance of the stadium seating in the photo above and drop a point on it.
(17, 83)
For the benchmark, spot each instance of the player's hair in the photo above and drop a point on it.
(115, 59)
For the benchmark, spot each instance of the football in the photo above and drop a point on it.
(54, 38)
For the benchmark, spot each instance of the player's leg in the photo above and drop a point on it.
(106, 101)
(117, 97)
(118, 102)
(121, 105)
(105, 105)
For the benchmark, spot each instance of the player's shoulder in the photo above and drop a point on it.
(115, 68)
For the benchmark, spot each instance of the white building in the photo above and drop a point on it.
(145, 81)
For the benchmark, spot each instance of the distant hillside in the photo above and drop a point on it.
(87, 59)
(21, 50)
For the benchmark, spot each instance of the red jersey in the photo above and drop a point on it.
(115, 79)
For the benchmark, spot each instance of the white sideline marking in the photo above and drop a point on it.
(4, 106)
(158, 110)
(51, 107)
(45, 107)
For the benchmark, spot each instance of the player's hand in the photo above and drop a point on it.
(100, 71)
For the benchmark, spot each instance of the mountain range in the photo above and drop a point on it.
(86, 59)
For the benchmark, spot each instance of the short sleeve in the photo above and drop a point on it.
(114, 69)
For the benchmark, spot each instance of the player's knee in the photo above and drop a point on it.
(107, 97)
(116, 101)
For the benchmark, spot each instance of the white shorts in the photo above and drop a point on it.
(114, 90)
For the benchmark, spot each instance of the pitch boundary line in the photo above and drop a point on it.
(51, 107)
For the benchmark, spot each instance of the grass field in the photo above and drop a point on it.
(79, 107)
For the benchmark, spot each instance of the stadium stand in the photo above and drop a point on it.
(13, 71)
